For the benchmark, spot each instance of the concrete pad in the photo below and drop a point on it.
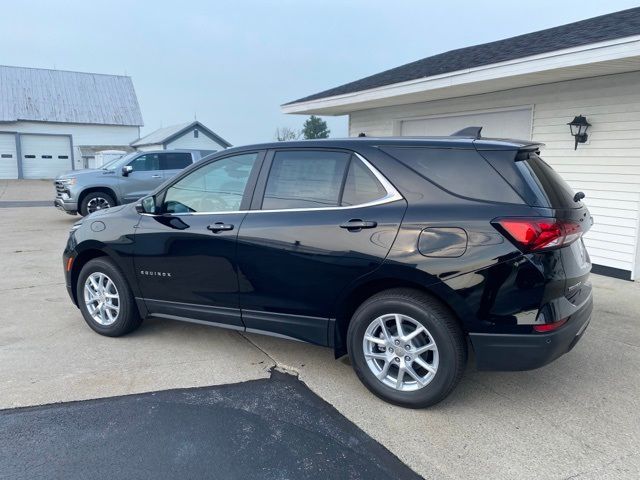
(22, 190)
(48, 353)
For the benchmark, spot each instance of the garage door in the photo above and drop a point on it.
(8, 158)
(512, 123)
(45, 156)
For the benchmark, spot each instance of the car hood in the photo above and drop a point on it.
(110, 211)
(84, 172)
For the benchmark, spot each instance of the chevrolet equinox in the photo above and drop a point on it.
(401, 252)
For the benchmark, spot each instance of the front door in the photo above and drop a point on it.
(326, 218)
(185, 257)
(144, 178)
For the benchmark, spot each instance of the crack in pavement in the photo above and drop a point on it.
(276, 364)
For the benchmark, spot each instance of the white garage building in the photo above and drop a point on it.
(528, 87)
(49, 117)
(184, 136)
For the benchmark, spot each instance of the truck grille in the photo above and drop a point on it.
(60, 188)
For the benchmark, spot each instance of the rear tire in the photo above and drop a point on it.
(94, 201)
(417, 358)
(105, 299)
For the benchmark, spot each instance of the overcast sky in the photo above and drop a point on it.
(233, 63)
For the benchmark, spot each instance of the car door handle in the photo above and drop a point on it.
(355, 225)
(156, 176)
(220, 227)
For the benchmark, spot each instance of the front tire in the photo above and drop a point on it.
(95, 201)
(105, 299)
(407, 348)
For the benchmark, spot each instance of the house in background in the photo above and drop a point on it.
(53, 120)
(190, 136)
(528, 87)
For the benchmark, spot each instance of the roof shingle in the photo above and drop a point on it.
(598, 29)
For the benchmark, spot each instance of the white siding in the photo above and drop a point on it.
(607, 169)
(188, 141)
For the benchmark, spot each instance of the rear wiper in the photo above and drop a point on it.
(578, 196)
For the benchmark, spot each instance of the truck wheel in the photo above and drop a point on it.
(407, 347)
(105, 299)
(95, 201)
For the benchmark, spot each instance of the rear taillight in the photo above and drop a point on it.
(549, 327)
(535, 234)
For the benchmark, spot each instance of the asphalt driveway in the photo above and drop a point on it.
(576, 418)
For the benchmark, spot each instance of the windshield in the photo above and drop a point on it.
(114, 164)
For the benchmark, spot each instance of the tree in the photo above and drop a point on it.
(286, 134)
(315, 127)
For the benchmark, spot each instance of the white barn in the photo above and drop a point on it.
(185, 136)
(528, 87)
(49, 119)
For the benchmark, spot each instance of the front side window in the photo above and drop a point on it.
(215, 187)
(305, 179)
(146, 163)
(174, 161)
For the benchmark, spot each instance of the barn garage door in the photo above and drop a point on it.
(45, 156)
(512, 123)
(8, 158)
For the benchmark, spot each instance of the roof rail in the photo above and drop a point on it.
(468, 132)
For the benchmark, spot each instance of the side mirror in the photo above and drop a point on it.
(146, 205)
(126, 170)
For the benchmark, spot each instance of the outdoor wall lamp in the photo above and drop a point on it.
(579, 126)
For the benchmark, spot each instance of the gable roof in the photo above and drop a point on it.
(598, 29)
(41, 95)
(167, 134)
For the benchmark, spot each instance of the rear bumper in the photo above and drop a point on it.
(509, 352)
(68, 207)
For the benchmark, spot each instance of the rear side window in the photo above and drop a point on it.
(305, 179)
(361, 185)
(174, 161)
(146, 163)
(462, 172)
(548, 186)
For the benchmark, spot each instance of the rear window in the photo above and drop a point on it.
(174, 161)
(462, 172)
(548, 186)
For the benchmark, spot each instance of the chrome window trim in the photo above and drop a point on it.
(392, 196)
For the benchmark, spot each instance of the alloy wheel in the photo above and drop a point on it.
(97, 203)
(101, 298)
(400, 352)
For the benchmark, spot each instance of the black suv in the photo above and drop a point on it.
(397, 251)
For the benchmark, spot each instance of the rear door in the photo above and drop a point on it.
(320, 219)
(171, 163)
(145, 177)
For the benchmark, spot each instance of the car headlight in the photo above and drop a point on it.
(68, 181)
